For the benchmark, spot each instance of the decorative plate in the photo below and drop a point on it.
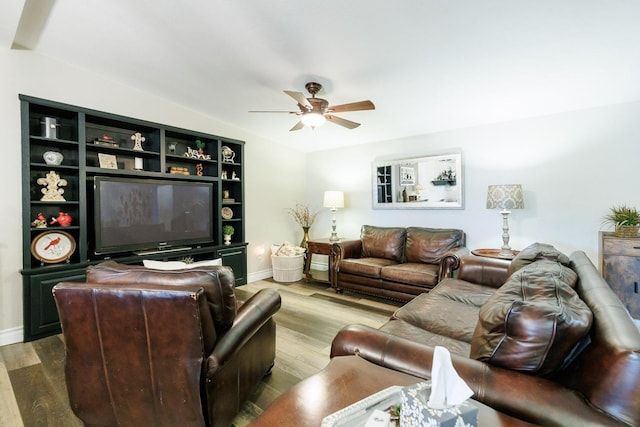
(227, 213)
(53, 246)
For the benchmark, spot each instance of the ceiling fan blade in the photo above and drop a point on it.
(298, 126)
(274, 111)
(300, 99)
(354, 106)
(342, 122)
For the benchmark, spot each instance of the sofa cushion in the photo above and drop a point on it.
(401, 328)
(412, 273)
(383, 242)
(369, 267)
(450, 309)
(428, 245)
(535, 252)
(533, 322)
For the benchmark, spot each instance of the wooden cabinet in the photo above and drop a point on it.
(40, 312)
(94, 144)
(236, 258)
(620, 267)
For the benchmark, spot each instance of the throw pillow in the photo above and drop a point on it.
(180, 265)
(533, 322)
(535, 252)
(429, 245)
(383, 242)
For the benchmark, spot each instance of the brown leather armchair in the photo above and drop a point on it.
(163, 348)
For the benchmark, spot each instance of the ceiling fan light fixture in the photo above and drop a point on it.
(313, 119)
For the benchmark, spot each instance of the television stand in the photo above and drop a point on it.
(163, 251)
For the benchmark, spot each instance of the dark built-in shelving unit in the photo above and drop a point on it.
(78, 134)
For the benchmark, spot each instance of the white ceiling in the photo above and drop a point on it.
(428, 65)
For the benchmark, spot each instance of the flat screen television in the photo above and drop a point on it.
(137, 215)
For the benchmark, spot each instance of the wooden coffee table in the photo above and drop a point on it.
(346, 380)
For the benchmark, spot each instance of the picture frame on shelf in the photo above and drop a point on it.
(108, 161)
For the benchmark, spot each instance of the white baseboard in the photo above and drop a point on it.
(265, 274)
(11, 336)
(259, 275)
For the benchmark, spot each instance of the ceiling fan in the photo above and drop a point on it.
(315, 111)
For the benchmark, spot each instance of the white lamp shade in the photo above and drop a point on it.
(506, 196)
(313, 119)
(333, 199)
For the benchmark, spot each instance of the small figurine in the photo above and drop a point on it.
(224, 175)
(199, 169)
(200, 146)
(196, 154)
(40, 221)
(51, 192)
(227, 154)
(138, 139)
(63, 219)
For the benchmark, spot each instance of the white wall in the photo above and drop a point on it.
(271, 181)
(572, 167)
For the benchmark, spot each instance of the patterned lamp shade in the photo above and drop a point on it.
(506, 196)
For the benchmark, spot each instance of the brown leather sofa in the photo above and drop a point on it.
(163, 348)
(397, 263)
(542, 347)
(542, 340)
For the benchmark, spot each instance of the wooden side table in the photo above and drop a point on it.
(492, 253)
(320, 247)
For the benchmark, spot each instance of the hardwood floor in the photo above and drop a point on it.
(33, 391)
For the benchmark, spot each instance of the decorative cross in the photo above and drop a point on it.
(139, 139)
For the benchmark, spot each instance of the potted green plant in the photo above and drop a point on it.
(625, 219)
(227, 232)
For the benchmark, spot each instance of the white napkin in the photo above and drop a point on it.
(447, 388)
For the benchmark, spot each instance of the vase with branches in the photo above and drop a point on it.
(303, 215)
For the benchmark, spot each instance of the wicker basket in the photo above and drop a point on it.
(627, 230)
(287, 268)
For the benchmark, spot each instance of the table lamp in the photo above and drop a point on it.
(333, 200)
(505, 197)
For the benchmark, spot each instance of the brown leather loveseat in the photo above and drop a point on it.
(163, 348)
(543, 339)
(397, 263)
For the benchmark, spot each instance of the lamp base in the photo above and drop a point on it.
(506, 253)
(334, 236)
(505, 250)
